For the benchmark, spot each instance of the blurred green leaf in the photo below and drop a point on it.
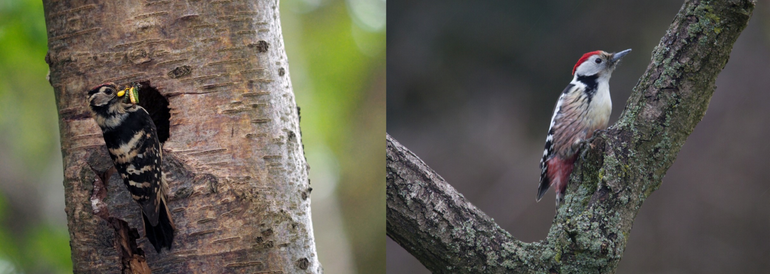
(27, 109)
(9, 252)
(49, 248)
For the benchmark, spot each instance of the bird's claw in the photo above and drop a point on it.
(584, 150)
(588, 145)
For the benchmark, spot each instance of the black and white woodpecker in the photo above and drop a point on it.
(583, 107)
(132, 141)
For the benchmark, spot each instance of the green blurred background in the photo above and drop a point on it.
(336, 50)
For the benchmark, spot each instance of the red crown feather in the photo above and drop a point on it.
(584, 58)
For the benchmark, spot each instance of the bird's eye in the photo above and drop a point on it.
(598, 60)
(109, 91)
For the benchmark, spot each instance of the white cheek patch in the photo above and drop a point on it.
(98, 99)
(590, 67)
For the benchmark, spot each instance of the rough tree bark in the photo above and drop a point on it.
(239, 192)
(448, 234)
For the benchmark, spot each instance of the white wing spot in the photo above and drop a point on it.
(127, 151)
(139, 185)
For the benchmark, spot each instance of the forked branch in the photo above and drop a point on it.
(448, 234)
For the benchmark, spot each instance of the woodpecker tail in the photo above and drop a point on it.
(545, 183)
(556, 173)
(162, 233)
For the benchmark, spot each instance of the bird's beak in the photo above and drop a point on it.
(618, 55)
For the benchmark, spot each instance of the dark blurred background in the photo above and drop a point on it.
(336, 51)
(471, 89)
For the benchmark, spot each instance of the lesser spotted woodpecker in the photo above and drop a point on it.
(132, 142)
(583, 107)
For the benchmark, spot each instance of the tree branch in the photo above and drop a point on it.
(447, 234)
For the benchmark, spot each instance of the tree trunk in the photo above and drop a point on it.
(447, 234)
(234, 161)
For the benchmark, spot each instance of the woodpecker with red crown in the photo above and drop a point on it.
(583, 108)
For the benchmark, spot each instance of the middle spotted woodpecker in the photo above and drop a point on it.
(583, 107)
(132, 141)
